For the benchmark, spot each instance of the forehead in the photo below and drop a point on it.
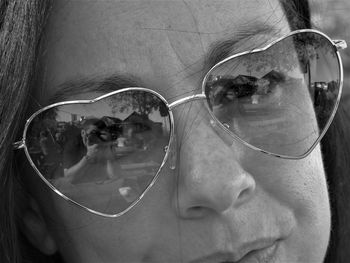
(164, 45)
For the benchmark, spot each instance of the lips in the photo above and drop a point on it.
(260, 242)
(263, 250)
(267, 254)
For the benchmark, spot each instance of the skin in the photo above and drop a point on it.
(215, 200)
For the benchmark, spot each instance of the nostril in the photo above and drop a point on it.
(245, 193)
(197, 211)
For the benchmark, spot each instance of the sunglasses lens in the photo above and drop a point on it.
(102, 155)
(279, 100)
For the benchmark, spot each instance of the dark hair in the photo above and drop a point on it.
(21, 26)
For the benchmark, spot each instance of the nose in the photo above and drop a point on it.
(210, 177)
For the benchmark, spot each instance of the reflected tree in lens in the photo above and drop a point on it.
(44, 121)
(42, 144)
(294, 79)
(104, 154)
(144, 103)
(285, 56)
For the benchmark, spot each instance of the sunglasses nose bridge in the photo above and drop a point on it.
(184, 100)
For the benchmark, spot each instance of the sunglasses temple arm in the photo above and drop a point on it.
(18, 145)
(173, 154)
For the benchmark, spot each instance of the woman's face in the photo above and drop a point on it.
(222, 203)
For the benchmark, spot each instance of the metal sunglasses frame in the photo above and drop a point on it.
(337, 44)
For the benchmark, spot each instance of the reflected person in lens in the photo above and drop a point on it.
(166, 150)
(96, 152)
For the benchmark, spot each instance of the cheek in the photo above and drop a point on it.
(308, 189)
(84, 237)
(299, 185)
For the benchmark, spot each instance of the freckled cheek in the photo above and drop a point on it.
(310, 190)
(298, 184)
(309, 199)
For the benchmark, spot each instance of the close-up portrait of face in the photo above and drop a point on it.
(171, 131)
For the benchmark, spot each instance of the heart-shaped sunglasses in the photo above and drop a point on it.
(104, 154)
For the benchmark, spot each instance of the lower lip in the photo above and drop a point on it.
(267, 254)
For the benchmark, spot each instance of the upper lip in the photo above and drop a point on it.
(237, 255)
(245, 243)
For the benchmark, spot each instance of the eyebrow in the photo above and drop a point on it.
(248, 37)
(218, 51)
(99, 83)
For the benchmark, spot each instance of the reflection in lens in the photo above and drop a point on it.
(280, 99)
(105, 154)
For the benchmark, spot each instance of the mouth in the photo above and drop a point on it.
(266, 254)
(259, 254)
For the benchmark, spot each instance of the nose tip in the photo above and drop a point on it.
(198, 197)
(211, 177)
